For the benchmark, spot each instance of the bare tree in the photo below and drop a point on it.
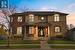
(6, 19)
(7, 13)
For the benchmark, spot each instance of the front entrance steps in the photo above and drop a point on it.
(43, 43)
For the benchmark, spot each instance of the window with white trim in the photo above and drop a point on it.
(56, 17)
(19, 30)
(31, 30)
(20, 19)
(31, 18)
(57, 29)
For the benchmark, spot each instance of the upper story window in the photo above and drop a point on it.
(56, 17)
(31, 18)
(19, 19)
(57, 29)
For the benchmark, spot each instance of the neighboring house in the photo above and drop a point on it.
(3, 33)
(38, 24)
(2, 30)
(70, 35)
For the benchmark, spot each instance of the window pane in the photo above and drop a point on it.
(56, 17)
(31, 18)
(19, 19)
(31, 30)
(19, 30)
(57, 29)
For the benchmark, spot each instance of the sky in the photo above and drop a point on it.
(66, 6)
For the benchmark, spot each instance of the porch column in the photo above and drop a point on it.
(48, 31)
(24, 32)
(36, 33)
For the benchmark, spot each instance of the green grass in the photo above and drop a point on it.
(60, 42)
(20, 47)
(63, 47)
(25, 42)
(3, 41)
(36, 42)
(20, 42)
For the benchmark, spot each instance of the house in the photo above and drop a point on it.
(38, 24)
(70, 35)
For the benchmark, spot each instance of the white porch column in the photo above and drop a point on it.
(36, 34)
(36, 31)
(48, 31)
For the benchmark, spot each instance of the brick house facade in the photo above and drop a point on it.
(38, 24)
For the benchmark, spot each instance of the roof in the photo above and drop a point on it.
(39, 13)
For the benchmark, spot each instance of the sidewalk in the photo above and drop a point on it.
(39, 44)
(37, 49)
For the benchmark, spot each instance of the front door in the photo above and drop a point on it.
(41, 32)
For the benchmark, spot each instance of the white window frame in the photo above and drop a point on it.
(19, 19)
(31, 30)
(19, 30)
(57, 29)
(56, 17)
(31, 18)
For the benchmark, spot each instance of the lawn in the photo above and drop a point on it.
(36, 42)
(20, 47)
(3, 41)
(60, 42)
(20, 42)
(63, 47)
(25, 42)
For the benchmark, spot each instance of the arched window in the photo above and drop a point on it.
(57, 29)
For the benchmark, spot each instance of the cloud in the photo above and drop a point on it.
(48, 8)
(69, 8)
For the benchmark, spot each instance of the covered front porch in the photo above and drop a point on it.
(36, 32)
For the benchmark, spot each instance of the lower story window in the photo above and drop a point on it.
(57, 29)
(31, 30)
(19, 30)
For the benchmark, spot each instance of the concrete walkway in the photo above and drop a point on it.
(37, 49)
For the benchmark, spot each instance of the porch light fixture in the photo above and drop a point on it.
(42, 18)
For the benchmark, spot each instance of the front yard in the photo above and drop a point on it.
(60, 42)
(36, 44)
